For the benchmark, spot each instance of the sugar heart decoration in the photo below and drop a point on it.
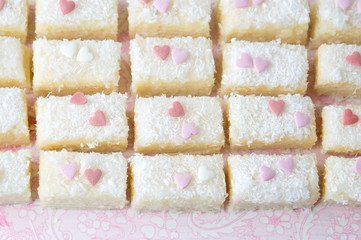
(244, 61)
(266, 173)
(2, 3)
(286, 165)
(205, 174)
(260, 64)
(69, 170)
(358, 165)
(276, 106)
(188, 130)
(68, 49)
(93, 176)
(182, 180)
(84, 55)
(176, 110)
(241, 3)
(162, 5)
(344, 4)
(179, 56)
(98, 119)
(78, 98)
(301, 119)
(348, 118)
(161, 52)
(359, 6)
(66, 6)
(354, 59)
(257, 2)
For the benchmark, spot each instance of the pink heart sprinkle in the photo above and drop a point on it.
(98, 119)
(287, 165)
(359, 6)
(69, 170)
(276, 106)
(266, 173)
(93, 176)
(358, 165)
(188, 130)
(145, 1)
(78, 98)
(244, 61)
(354, 59)
(301, 119)
(161, 52)
(257, 2)
(241, 3)
(182, 180)
(179, 56)
(162, 5)
(176, 110)
(2, 3)
(66, 6)
(344, 4)
(260, 64)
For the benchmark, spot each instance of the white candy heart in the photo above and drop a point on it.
(205, 174)
(84, 55)
(68, 49)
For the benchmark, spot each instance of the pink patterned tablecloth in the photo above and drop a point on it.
(30, 221)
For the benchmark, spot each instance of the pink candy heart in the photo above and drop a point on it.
(78, 98)
(301, 119)
(276, 106)
(2, 3)
(179, 56)
(266, 173)
(93, 176)
(66, 6)
(244, 61)
(162, 5)
(260, 64)
(176, 110)
(161, 52)
(241, 3)
(354, 59)
(344, 4)
(182, 180)
(257, 2)
(286, 165)
(188, 130)
(98, 119)
(69, 170)
(358, 165)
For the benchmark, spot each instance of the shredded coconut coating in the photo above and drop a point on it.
(15, 177)
(272, 19)
(154, 188)
(63, 124)
(252, 123)
(148, 68)
(287, 71)
(157, 132)
(336, 137)
(333, 70)
(181, 16)
(87, 17)
(14, 18)
(57, 73)
(286, 190)
(11, 62)
(342, 184)
(56, 191)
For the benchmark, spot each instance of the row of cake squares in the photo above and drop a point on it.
(253, 20)
(178, 66)
(181, 183)
(176, 124)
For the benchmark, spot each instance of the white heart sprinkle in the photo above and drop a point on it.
(205, 174)
(84, 55)
(68, 49)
